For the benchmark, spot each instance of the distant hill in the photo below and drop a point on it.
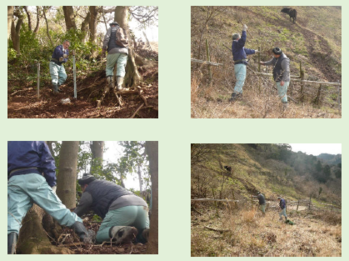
(330, 158)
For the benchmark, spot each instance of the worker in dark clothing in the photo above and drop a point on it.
(282, 204)
(281, 73)
(116, 43)
(124, 214)
(261, 201)
(32, 179)
(240, 61)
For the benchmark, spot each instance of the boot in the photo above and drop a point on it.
(145, 234)
(235, 96)
(81, 231)
(119, 82)
(284, 105)
(110, 80)
(55, 88)
(59, 88)
(12, 242)
(123, 234)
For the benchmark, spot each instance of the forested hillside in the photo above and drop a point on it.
(35, 31)
(312, 43)
(236, 172)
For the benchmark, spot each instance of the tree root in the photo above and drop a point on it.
(134, 114)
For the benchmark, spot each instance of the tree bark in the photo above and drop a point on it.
(9, 20)
(33, 239)
(47, 30)
(151, 148)
(28, 17)
(93, 23)
(85, 24)
(15, 31)
(140, 178)
(97, 153)
(69, 17)
(37, 19)
(132, 76)
(66, 180)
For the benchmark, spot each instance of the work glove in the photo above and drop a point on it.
(256, 51)
(61, 59)
(65, 56)
(54, 189)
(261, 62)
(73, 52)
(244, 27)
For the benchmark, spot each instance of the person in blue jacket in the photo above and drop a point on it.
(240, 61)
(282, 205)
(32, 179)
(57, 71)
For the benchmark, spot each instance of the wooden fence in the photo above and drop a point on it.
(274, 204)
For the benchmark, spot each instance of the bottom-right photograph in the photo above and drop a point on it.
(266, 200)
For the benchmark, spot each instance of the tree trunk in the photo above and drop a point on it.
(15, 32)
(47, 30)
(28, 17)
(93, 23)
(69, 17)
(97, 154)
(151, 148)
(37, 19)
(132, 76)
(84, 26)
(66, 180)
(9, 20)
(140, 178)
(33, 239)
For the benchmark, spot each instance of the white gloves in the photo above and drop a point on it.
(244, 27)
(54, 189)
(65, 56)
(256, 51)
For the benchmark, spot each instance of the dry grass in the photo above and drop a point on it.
(251, 234)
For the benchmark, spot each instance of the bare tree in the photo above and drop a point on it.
(16, 28)
(9, 20)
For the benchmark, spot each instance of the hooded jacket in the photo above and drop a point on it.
(115, 34)
(281, 70)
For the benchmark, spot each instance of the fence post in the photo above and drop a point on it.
(297, 205)
(209, 60)
(339, 97)
(301, 71)
(74, 73)
(38, 91)
(317, 99)
(309, 202)
(259, 68)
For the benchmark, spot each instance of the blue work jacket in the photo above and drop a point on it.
(58, 53)
(239, 51)
(26, 157)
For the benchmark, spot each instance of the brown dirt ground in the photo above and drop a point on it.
(70, 240)
(25, 104)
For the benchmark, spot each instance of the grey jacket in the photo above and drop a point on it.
(281, 70)
(119, 34)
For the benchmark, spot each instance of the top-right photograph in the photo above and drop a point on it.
(266, 62)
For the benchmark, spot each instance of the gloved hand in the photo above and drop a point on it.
(256, 51)
(103, 53)
(73, 52)
(244, 27)
(61, 59)
(65, 56)
(261, 62)
(54, 189)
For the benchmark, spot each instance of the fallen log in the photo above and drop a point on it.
(217, 230)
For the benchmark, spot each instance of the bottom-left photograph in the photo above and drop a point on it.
(82, 197)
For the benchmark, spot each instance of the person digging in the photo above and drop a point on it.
(32, 179)
(282, 204)
(125, 215)
(281, 73)
(240, 61)
(57, 70)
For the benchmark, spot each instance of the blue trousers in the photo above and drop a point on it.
(240, 75)
(120, 59)
(136, 216)
(58, 74)
(23, 191)
(282, 90)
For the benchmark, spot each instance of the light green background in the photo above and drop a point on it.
(174, 129)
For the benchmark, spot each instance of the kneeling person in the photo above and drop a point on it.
(124, 214)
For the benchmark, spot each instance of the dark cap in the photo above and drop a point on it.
(277, 50)
(114, 23)
(86, 179)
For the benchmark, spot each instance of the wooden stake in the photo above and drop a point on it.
(208, 59)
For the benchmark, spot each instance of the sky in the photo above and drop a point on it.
(317, 148)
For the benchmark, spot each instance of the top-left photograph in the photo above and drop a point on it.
(82, 61)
